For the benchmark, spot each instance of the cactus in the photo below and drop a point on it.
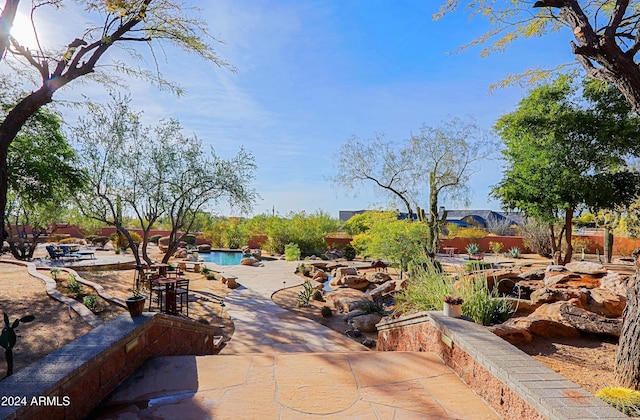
(422, 215)
(305, 294)
(8, 338)
(623, 399)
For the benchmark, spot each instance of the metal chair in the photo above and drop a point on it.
(159, 291)
(182, 294)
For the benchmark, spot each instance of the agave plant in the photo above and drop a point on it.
(514, 252)
(472, 249)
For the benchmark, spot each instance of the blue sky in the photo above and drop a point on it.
(312, 74)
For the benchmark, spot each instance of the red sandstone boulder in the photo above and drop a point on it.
(365, 323)
(569, 314)
(553, 278)
(543, 327)
(606, 303)
(617, 283)
(586, 267)
(522, 307)
(379, 277)
(346, 299)
(548, 295)
(383, 289)
(533, 274)
(511, 334)
(587, 282)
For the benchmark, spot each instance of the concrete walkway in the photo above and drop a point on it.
(282, 366)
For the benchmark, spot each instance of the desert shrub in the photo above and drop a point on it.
(349, 252)
(189, 238)
(426, 287)
(121, 242)
(472, 232)
(452, 230)
(155, 239)
(482, 305)
(500, 227)
(495, 247)
(291, 252)
(55, 272)
(536, 237)
(303, 269)
(476, 265)
(304, 296)
(622, 399)
(372, 307)
(90, 302)
(74, 287)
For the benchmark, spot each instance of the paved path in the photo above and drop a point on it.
(279, 365)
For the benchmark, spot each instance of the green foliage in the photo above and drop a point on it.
(204, 270)
(426, 288)
(291, 252)
(472, 232)
(513, 252)
(120, 241)
(349, 252)
(452, 229)
(90, 302)
(305, 293)
(189, 239)
(472, 249)
(482, 305)
(303, 269)
(8, 338)
(155, 238)
(55, 272)
(470, 266)
(372, 307)
(495, 247)
(74, 287)
(622, 399)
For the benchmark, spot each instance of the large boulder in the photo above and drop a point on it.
(320, 276)
(345, 271)
(522, 307)
(583, 320)
(378, 277)
(355, 282)
(365, 323)
(541, 327)
(549, 294)
(204, 248)
(505, 279)
(511, 334)
(524, 288)
(606, 303)
(346, 299)
(586, 267)
(533, 274)
(617, 283)
(553, 278)
(383, 289)
(249, 261)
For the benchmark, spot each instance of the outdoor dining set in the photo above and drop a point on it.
(168, 289)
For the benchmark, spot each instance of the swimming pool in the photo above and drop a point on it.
(222, 257)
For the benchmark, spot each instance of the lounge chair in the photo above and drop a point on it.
(54, 253)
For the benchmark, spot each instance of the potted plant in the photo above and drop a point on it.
(135, 303)
(452, 306)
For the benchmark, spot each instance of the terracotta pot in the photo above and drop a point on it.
(454, 311)
(135, 306)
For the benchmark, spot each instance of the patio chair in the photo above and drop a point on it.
(54, 253)
(182, 294)
(159, 290)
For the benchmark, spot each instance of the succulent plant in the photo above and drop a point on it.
(623, 399)
(8, 338)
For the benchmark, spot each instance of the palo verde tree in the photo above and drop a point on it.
(565, 149)
(128, 23)
(447, 156)
(43, 176)
(439, 160)
(385, 164)
(606, 34)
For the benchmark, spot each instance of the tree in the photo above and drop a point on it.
(381, 162)
(150, 22)
(441, 159)
(446, 156)
(6, 22)
(563, 151)
(607, 34)
(44, 175)
(153, 173)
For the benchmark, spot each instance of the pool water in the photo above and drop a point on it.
(222, 257)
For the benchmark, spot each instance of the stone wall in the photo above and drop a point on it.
(70, 382)
(514, 384)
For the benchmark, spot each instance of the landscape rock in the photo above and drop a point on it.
(522, 307)
(524, 288)
(355, 282)
(204, 248)
(579, 318)
(249, 261)
(365, 323)
(505, 279)
(586, 267)
(580, 282)
(617, 283)
(344, 271)
(606, 303)
(346, 299)
(379, 277)
(542, 327)
(383, 289)
(511, 334)
(555, 268)
(548, 295)
(533, 274)
(354, 313)
(320, 275)
(552, 278)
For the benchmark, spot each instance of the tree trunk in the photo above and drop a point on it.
(627, 366)
(434, 232)
(6, 22)
(568, 231)
(608, 244)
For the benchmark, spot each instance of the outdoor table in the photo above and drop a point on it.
(170, 293)
(450, 251)
(89, 252)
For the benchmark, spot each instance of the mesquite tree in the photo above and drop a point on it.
(129, 22)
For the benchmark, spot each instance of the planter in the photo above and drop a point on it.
(135, 306)
(454, 311)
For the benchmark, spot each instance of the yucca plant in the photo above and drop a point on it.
(622, 399)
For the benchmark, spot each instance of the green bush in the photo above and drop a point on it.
(482, 305)
(90, 302)
(476, 266)
(303, 269)
(121, 242)
(74, 288)
(189, 238)
(155, 239)
(426, 287)
(291, 252)
(349, 252)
